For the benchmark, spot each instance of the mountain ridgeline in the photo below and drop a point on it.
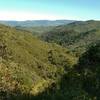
(63, 63)
(31, 23)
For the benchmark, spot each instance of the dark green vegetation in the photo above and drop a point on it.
(31, 69)
(34, 23)
(76, 36)
(82, 82)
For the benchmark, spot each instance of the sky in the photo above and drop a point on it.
(49, 9)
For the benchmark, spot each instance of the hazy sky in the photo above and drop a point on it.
(49, 9)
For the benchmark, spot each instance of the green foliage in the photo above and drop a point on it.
(76, 36)
(89, 69)
(80, 83)
(31, 69)
(91, 58)
(25, 66)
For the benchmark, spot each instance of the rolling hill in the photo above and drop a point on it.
(36, 30)
(76, 36)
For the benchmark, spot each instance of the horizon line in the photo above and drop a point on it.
(48, 20)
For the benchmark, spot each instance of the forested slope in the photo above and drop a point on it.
(76, 36)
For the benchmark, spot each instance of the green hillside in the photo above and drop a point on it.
(80, 83)
(76, 36)
(29, 65)
(32, 69)
(36, 30)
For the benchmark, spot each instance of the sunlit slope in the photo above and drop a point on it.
(28, 64)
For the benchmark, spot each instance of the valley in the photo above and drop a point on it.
(50, 62)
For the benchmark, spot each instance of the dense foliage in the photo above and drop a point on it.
(31, 69)
(28, 65)
(76, 36)
(82, 82)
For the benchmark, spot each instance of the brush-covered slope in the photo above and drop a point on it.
(80, 83)
(76, 36)
(28, 65)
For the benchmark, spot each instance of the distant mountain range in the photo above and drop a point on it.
(31, 23)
